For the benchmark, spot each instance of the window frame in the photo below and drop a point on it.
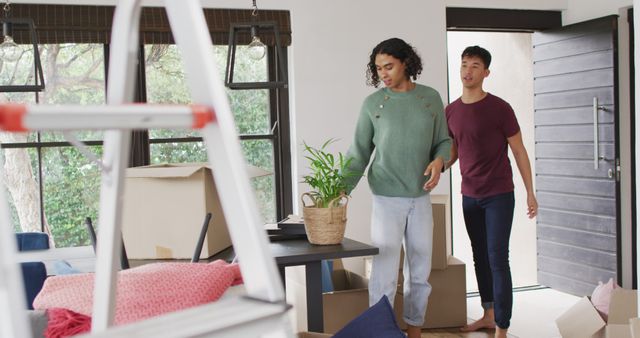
(141, 143)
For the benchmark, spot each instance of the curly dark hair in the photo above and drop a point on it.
(477, 51)
(398, 49)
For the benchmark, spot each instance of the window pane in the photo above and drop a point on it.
(178, 152)
(165, 77)
(251, 111)
(71, 193)
(260, 154)
(20, 168)
(166, 83)
(19, 72)
(77, 77)
(20, 179)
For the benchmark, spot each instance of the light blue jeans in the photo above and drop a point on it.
(397, 221)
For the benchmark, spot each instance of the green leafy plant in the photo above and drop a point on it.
(329, 174)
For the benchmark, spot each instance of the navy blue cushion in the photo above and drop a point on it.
(33, 273)
(378, 321)
(28, 241)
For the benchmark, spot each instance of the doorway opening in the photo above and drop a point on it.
(511, 78)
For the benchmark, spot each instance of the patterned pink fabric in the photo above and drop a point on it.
(144, 291)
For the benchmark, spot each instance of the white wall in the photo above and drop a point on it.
(542, 5)
(580, 10)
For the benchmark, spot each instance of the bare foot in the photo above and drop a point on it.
(413, 331)
(482, 323)
(501, 333)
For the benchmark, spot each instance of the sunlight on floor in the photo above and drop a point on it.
(534, 312)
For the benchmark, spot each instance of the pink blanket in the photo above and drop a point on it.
(145, 291)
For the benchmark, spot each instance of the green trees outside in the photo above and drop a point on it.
(74, 73)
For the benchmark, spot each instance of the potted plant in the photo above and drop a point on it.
(325, 217)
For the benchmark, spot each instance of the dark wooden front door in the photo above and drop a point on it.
(576, 161)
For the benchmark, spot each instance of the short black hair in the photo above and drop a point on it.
(480, 52)
(400, 50)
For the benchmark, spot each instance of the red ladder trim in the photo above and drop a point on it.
(12, 117)
(202, 115)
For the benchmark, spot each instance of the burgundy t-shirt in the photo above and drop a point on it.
(480, 131)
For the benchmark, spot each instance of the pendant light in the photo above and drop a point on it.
(11, 52)
(256, 51)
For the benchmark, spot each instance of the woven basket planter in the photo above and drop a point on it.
(325, 226)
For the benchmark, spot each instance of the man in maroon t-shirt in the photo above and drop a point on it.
(483, 127)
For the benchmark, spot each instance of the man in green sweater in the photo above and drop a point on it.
(404, 127)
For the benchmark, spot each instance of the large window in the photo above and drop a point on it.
(53, 188)
(165, 83)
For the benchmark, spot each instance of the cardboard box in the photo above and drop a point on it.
(448, 300)
(441, 231)
(635, 327)
(164, 209)
(350, 299)
(582, 319)
(618, 331)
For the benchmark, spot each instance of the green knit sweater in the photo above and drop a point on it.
(406, 131)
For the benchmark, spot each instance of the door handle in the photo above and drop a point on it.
(596, 141)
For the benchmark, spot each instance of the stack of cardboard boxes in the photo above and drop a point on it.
(447, 302)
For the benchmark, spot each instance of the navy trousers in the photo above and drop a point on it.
(488, 221)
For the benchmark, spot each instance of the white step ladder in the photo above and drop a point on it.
(263, 312)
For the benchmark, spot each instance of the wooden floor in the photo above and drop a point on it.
(455, 333)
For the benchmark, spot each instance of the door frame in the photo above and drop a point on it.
(508, 20)
(632, 136)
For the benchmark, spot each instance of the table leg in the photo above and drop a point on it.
(282, 277)
(313, 273)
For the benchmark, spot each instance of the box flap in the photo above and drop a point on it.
(581, 320)
(337, 264)
(344, 280)
(439, 199)
(312, 335)
(355, 281)
(623, 306)
(169, 170)
(339, 279)
(453, 261)
(163, 171)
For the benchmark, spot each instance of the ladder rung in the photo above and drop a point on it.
(221, 317)
(20, 118)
